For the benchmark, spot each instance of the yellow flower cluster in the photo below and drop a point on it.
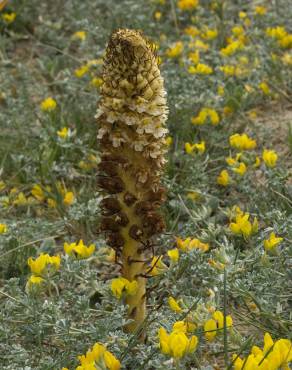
(272, 242)
(209, 34)
(204, 115)
(270, 158)
(16, 198)
(174, 305)
(9, 17)
(232, 48)
(175, 50)
(223, 179)
(274, 356)
(3, 228)
(44, 264)
(237, 167)
(200, 69)
(279, 33)
(177, 344)
(260, 10)
(49, 104)
(40, 192)
(64, 133)
(79, 35)
(200, 147)
(187, 4)
(173, 254)
(242, 142)
(216, 324)
(157, 266)
(42, 267)
(232, 70)
(242, 225)
(121, 286)
(189, 244)
(265, 88)
(79, 250)
(98, 359)
(87, 68)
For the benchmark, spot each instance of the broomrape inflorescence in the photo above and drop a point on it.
(131, 117)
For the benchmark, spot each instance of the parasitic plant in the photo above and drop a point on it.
(131, 118)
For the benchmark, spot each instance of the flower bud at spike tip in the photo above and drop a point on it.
(132, 135)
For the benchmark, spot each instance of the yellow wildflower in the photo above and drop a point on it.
(220, 90)
(287, 59)
(274, 356)
(242, 15)
(3, 228)
(63, 133)
(187, 4)
(173, 254)
(278, 32)
(157, 15)
(257, 162)
(194, 57)
(200, 147)
(209, 34)
(20, 200)
(81, 71)
(199, 44)
(265, 88)
(40, 265)
(230, 70)
(173, 304)
(189, 244)
(79, 35)
(271, 243)
(80, 250)
(175, 50)
(96, 82)
(35, 280)
(9, 17)
(168, 140)
(242, 142)
(223, 178)
(193, 195)
(51, 203)
(191, 31)
(197, 244)
(241, 169)
(210, 328)
(204, 114)
(176, 344)
(38, 193)
(242, 225)
(233, 161)
(157, 266)
(120, 286)
(237, 31)
(98, 358)
(286, 41)
(216, 323)
(270, 157)
(49, 104)
(260, 10)
(218, 265)
(111, 362)
(68, 198)
(232, 48)
(201, 69)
